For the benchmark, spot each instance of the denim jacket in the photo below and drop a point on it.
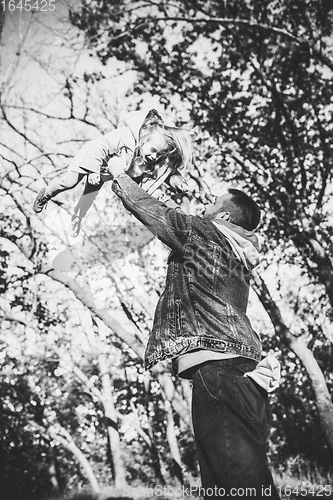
(204, 303)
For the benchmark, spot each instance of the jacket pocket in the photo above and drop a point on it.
(201, 261)
(209, 385)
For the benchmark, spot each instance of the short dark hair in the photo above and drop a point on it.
(244, 211)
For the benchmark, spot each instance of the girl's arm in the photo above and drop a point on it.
(95, 153)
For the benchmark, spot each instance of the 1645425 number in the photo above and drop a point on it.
(28, 5)
(305, 491)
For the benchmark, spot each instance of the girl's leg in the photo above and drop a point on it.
(85, 202)
(87, 198)
(62, 183)
(66, 181)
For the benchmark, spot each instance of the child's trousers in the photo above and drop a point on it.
(70, 180)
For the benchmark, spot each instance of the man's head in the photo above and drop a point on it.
(236, 207)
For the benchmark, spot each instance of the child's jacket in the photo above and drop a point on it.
(117, 146)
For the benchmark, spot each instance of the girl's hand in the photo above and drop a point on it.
(94, 179)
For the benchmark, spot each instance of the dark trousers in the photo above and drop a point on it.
(229, 421)
(70, 180)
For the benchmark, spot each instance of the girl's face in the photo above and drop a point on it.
(153, 146)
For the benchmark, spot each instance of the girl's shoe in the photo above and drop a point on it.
(40, 201)
(75, 227)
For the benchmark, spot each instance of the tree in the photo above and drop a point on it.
(256, 79)
(115, 272)
(47, 282)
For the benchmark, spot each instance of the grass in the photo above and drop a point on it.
(295, 482)
(307, 483)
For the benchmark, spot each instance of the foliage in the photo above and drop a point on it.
(257, 78)
(21, 448)
(253, 79)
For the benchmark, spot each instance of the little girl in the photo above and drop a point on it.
(151, 152)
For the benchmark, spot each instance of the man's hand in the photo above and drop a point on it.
(117, 165)
(178, 182)
(94, 179)
(135, 170)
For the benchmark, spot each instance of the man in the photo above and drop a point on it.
(201, 324)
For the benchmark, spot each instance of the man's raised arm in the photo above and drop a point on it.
(170, 225)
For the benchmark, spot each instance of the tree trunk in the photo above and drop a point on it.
(308, 244)
(85, 297)
(171, 394)
(111, 418)
(157, 461)
(304, 354)
(53, 473)
(178, 468)
(60, 434)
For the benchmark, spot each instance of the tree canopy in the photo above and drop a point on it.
(252, 80)
(256, 81)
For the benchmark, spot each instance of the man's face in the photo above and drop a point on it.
(214, 209)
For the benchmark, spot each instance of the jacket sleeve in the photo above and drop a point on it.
(92, 155)
(170, 225)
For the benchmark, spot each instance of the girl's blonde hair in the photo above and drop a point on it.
(178, 152)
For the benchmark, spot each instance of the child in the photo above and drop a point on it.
(151, 152)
